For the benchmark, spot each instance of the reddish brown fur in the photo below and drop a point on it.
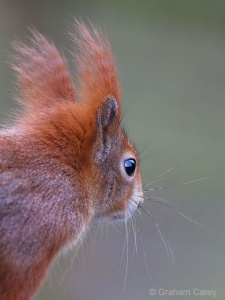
(60, 161)
(96, 66)
(43, 74)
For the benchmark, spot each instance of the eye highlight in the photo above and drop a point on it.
(130, 166)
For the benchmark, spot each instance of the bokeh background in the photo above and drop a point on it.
(171, 59)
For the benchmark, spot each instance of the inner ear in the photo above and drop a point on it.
(108, 112)
(106, 116)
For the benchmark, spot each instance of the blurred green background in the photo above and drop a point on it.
(171, 58)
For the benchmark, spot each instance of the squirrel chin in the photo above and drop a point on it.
(134, 202)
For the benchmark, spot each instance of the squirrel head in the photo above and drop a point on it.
(80, 125)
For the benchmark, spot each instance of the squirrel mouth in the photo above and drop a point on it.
(132, 207)
(134, 202)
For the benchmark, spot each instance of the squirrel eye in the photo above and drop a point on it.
(130, 165)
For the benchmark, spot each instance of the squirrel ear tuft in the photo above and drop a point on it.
(106, 118)
(43, 73)
(96, 65)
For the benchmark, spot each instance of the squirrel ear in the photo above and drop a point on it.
(106, 117)
(108, 112)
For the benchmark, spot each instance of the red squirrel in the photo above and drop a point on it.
(65, 162)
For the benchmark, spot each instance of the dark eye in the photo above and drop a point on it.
(130, 165)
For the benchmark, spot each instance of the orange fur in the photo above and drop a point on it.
(43, 74)
(62, 162)
(97, 70)
(44, 77)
